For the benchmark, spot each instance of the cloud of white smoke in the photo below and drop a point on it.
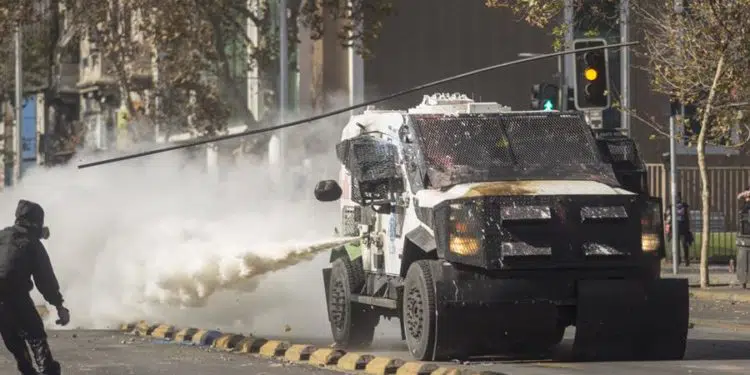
(157, 237)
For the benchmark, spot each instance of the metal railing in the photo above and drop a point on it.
(725, 183)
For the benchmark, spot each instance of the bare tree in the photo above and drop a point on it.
(701, 57)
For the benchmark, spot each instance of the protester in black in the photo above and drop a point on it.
(684, 234)
(22, 256)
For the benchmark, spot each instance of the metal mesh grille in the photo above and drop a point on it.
(624, 151)
(509, 147)
(368, 158)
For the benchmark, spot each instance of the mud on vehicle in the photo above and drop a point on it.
(487, 231)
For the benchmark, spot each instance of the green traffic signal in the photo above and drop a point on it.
(548, 106)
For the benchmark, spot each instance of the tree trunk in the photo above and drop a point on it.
(705, 193)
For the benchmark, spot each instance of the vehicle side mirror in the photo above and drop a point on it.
(327, 191)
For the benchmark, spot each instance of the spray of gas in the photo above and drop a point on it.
(161, 239)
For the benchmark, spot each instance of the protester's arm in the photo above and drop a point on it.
(44, 276)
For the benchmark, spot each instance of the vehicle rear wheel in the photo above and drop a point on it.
(352, 324)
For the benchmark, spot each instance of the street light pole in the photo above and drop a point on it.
(678, 8)
(17, 148)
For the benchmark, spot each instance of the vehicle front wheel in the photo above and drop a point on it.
(418, 313)
(352, 324)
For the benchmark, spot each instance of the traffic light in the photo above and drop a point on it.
(592, 73)
(544, 96)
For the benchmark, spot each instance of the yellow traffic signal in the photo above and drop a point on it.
(590, 74)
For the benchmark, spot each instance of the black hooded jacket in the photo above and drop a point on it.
(22, 255)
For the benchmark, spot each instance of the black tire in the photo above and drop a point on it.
(352, 324)
(418, 312)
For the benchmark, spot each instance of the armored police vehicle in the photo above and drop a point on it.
(488, 231)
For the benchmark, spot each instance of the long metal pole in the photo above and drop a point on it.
(283, 79)
(19, 109)
(625, 64)
(673, 187)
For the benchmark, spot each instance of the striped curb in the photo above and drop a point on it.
(164, 332)
(383, 366)
(227, 341)
(330, 358)
(417, 368)
(326, 357)
(299, 353)
(205, 337)
(274, 348)
(251, 345)
(354, 361)
(185, 335)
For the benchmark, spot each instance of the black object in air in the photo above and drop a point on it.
(350, 108)
(327, 191)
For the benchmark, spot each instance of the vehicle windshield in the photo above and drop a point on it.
(510, 147)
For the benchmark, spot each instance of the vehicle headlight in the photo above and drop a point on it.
(651, 227)
(650, 242)
(465, 232)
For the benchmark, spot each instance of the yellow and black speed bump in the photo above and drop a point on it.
(417, 368)
(383, 366)
(205, 338)
(144, 329)
(326, 357)
(127, 328)
(164, 332)
(251, 345)
(185, 335)
(274, 348)
(447, 371)
(331, 358)
(299, 353)
(354, 361)
(227, 341)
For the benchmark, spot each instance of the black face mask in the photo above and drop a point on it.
(45, 233)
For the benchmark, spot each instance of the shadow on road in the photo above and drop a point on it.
(697, 350)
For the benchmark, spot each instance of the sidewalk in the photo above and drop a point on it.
(724, 285)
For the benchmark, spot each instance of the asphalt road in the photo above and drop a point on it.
(113, 353)
(722, 348)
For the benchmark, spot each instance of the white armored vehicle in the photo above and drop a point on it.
(489, 231)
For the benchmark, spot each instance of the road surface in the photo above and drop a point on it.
(719, 344)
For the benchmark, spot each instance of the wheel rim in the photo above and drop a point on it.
(414, 313)
(338, 304)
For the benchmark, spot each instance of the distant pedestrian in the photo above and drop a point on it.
(684, 234)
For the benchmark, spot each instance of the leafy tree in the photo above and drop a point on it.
(189, 39)
(700, 56)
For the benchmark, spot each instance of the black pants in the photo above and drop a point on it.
(682, 242)
(20, 323)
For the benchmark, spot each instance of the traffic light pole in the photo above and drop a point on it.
(563, 93)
